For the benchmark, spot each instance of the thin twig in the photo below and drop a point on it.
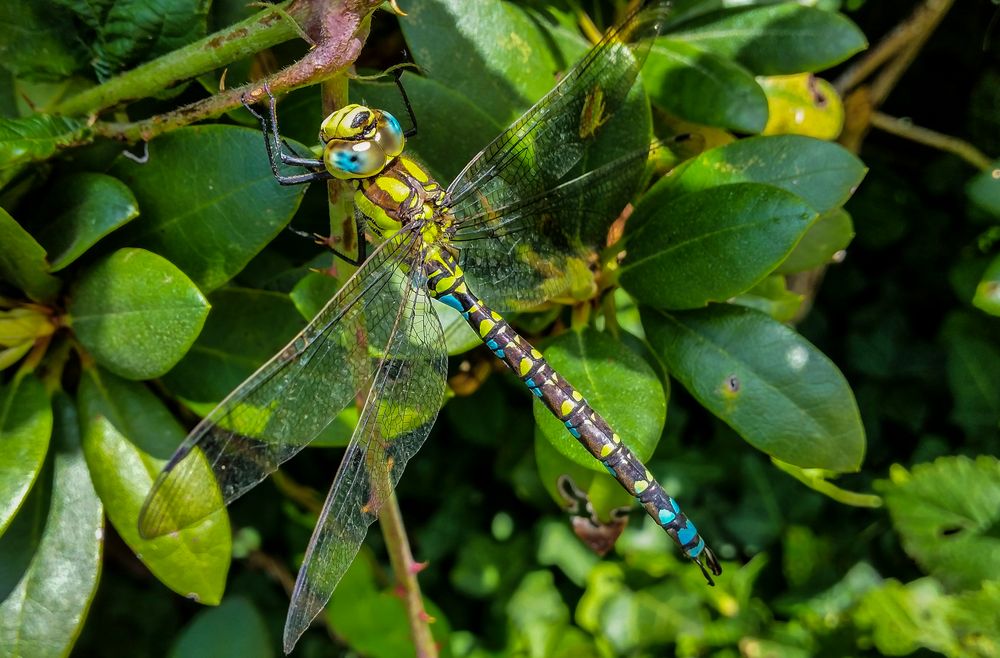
(932, 138)
(338, 29)
(406, 568)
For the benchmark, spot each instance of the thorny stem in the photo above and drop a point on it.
(405, 568)
(337, 28)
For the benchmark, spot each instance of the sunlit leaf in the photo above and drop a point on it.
(25, 430)
(136, 313)
(63, 532)
(127, 437)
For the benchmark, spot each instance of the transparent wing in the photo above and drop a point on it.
(400, 408)
(542, 146)
(526, 252)
(286, 403)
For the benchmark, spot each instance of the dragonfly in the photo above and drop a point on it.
(504, 229)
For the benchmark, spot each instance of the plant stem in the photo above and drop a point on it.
(405, 569)
(337, 28)
(243, 39)
(932, 138)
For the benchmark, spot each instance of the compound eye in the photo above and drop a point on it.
(349, 159)
(390, 135)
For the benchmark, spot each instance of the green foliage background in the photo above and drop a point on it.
(830, 419)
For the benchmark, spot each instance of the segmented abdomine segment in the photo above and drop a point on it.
(447, 284)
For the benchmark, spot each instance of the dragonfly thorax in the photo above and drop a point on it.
(360, 142)
(403, 192)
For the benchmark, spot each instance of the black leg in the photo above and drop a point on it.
(319, 171)
(359, 225)
(398, 73)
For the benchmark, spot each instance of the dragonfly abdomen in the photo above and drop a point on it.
(447, 284)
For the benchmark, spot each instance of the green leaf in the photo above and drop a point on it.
(245, 328)
(987, 297)
(537, 614)
(42, 614)
(84, 208)
(776, 39)
(772, 297)
(233, 630)
(36, 138)
(22, 261)
(704, 88)
(972, 359)
(511, 72)
(825, 175)
(611, 377)
(128, 435)
(780, 393)
(25, 430)
(946, 513)
(208, 199)
(829, 234)
(38, 42)
(904, 618)
(129, 32)
(136, 313)
(709, 245)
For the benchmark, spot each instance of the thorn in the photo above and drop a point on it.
(426, 617)
(417, 567)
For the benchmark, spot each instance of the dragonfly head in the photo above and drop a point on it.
(359, 142)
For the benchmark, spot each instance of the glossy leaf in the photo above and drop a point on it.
(802, 104)
(946, 513)
(987, 297)
(25, 430)
(611, 377)
(81, 210)
(22, 261)
(128, 435)
(776, 39)
(831, 233)
(245, 328)
(972, 358)
(709, 245)
(823, 174)
(702, 87)
(38, 42)
(513, 73)
(42, 614)
(208, 199)
(233, 630)
(36, 138)
(136, 313)
(780, 393)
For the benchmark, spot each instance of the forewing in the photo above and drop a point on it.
(285, 404)
(400, 408)
(525, 252)
(538, 149)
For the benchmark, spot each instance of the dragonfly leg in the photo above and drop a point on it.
(398, 74)
(275, 151)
